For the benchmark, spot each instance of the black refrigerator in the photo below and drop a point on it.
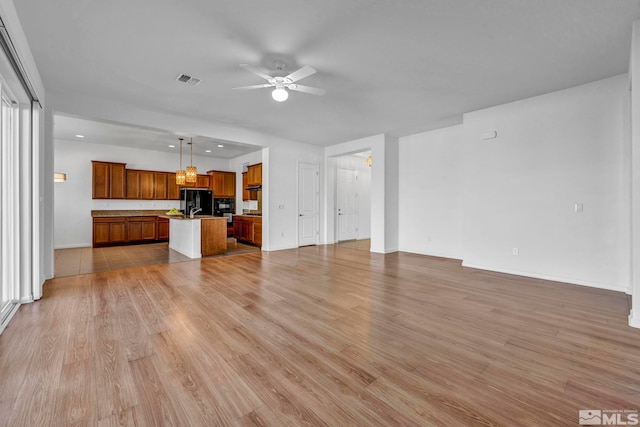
(196, 198)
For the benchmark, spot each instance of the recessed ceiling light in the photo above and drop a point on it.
(172, 146)
(220, 146)
(207, 151)
(79, 136)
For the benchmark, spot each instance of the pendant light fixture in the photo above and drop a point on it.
(180, 173)
(192, 171)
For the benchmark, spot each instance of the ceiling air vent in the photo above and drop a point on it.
(188, 80)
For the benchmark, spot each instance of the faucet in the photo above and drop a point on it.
(194, 211)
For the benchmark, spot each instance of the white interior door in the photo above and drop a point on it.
(347, 204)
(308, 202)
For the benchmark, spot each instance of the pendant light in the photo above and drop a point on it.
(180, 173)
(192, 171)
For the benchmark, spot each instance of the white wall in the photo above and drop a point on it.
(73, 202)
(519, 190)
(430, 193)
(279, 192)
(552, 151)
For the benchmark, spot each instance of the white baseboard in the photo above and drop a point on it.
(278, 248)
(433, 254)
(609, 287)
(75, 245)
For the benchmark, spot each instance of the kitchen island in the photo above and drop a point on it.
(203, 235)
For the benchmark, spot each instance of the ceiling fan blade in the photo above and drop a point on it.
(303, 72)
(308, 89)
(254, 86)
(256, 71)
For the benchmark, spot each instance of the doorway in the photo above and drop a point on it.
(347, 204)
(352, 209)
(308, 204)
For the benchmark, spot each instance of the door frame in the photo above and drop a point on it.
(316, 201)
(336, 228)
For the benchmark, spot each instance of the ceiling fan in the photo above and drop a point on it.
(281, 84)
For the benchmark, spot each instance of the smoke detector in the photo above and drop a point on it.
(184, 78)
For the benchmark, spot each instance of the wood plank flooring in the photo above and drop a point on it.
(321, 336)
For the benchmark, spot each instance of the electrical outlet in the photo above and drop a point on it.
(515, 251)
(578, 208)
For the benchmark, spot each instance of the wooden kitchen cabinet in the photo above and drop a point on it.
(223, 183)
(133, 184)
(160, 188)
(141, 184)
(245, 192)
(147, 185)
(202, 181)
(141, 228)
(121, 230)
(213, 236)
(108, 180)
(248, 229)
(173, 189)
(254, 175)
(257, 231)
(163, 229)
(109, 230)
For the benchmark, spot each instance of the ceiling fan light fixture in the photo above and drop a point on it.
(280, 94)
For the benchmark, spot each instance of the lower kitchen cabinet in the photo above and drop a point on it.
(248, 229)
(141, 228)
(109, 230)
(163, 229)
(122, 230)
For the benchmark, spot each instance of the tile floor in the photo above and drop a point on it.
(70, 262)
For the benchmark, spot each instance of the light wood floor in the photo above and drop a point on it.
(323, 335)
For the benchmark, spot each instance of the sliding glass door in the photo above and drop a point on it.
(9, 162)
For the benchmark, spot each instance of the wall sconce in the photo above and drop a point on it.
(59, 177)
(368, 161)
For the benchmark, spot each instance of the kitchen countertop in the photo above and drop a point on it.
(182, 217)
(141, 212)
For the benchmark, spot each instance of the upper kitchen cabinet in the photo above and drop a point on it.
(109, 180)
(141, 184)
(202, 181)
(245, 192)
(254, 175)
(223, 183)
(160, 186)
(173, 189)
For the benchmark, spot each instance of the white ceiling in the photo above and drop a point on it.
(66, 128)
(389, 66)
